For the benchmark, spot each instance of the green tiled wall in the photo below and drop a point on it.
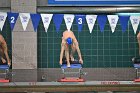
(99, 49)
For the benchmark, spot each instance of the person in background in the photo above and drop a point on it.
(4, 51)
(69, 41)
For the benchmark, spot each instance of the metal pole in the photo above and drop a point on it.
(88, 9)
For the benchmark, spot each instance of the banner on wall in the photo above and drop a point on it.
(113, 19)
(92, 2)
(24, 17)
(2, 19)
(135, 20)
(68, 20)
(124, 22)
(12, 17)
(102, 19)
(57, 20)
(46, 18)
(35, 20)
(91, 21)
(80, 20)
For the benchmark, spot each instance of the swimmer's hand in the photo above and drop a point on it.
(9, 62)
(60, 62)
(81, 61)
(3, 60)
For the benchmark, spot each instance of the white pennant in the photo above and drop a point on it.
(135, 20)
(24, 17)
(68, 20)
(46, 18)
(91, 21)
(2, 19)
(113, 20)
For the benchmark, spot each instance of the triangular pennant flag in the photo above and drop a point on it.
(80, 20)
(24, 17)
(12, 17)
(102, 21)
(135, 20)
(113, 19)
(68, 20)
(35, 20)
(91, 21)
(2, 19)
(57, 19)
(124, 22)
(46, 18)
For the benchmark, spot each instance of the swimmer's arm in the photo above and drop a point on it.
(62, 51)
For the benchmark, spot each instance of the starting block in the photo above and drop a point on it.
(4, 70)
(136, 64)
(75, 68)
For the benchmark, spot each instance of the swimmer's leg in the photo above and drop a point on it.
(67, 56)
(73, 49)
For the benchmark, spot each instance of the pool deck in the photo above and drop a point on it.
(70, 86)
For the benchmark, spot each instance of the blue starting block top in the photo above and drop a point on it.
(3, 67)
(63, 66)
(136, 65)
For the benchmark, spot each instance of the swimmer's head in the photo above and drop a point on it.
(69, 41)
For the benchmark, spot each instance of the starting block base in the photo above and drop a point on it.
(4, 80)
(137, 80)
(72, 79)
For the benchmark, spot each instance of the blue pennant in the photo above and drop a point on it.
(80, 20)
(57, 19)
(124, 22)
(12, 17)
(102, 21)
(35, 20)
